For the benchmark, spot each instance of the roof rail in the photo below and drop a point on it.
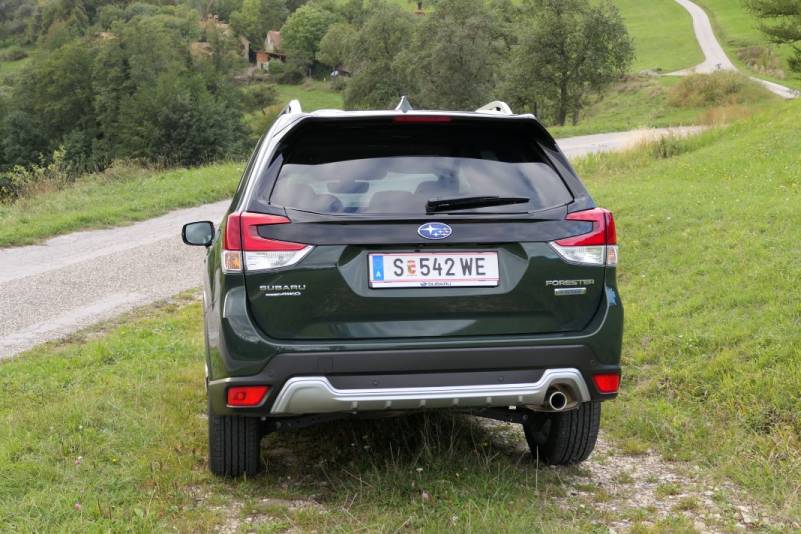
(291, 108)
(404, 105)
(496, 106)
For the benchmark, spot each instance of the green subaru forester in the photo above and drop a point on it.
(378, 262)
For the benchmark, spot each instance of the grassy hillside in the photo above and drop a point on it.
(737, 29)
(709, 275)
(113, 439)
(118, 196)
(639, 102)
(663, 35)
(312, 95)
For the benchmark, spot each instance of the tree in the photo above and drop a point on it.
(781, 23)
(135, 93)
(570, 48)
(256, 17)
(178, 120)
(453, 56)
(379, 78)
(303, 31)
(337, 44)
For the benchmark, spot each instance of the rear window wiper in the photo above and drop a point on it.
(465, 203)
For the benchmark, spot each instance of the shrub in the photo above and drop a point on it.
(290, 77)
(762, 59)
(722, 88)
(259, 123)
(258, 95)
(13, 53)
(24, 181)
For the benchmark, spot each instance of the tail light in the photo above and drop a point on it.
(245, 249)
(597, 247)
(607, 383)
(244, 396)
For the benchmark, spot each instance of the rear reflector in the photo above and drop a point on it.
(596, 247)
(245, 248)
(240, 396)
(607, 383)
(421, 119)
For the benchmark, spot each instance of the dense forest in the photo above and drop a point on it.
(169, 82)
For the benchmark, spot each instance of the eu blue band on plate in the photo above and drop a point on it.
(378, 267)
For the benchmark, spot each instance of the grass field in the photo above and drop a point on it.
(659, 101)
(312, 95)
(736, 28)
(12, 67)
(112, 438)
(663, 35)
(113, 198)
(709, 275)
(640, 102)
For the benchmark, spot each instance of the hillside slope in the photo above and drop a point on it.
(663, 35)
(709, 274)
(738, 33)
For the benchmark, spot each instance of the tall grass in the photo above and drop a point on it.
(709, 275)
(722, 88)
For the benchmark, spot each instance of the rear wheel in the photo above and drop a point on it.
(564, 438)
(234, 445)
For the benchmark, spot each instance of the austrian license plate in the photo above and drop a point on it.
(434, 269)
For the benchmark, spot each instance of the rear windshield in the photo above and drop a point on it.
(396, 168)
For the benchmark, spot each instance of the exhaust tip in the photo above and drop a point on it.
(557, 401)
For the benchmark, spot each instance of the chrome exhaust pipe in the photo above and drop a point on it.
(557, 400)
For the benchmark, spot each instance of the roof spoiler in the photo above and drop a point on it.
(496, 106)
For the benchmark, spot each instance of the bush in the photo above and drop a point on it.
(762, 59)
(291, 77)
(722, 88)
(258, 95)
(25, 181)
(13, 53)
(179, 121)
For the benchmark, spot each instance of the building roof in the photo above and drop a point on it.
(273, 37)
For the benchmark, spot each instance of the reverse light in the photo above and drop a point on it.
(245, 249)
(597, 247)
(607, 383)
(243, 396)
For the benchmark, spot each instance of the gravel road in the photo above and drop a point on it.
(72, 281)
(715, 57)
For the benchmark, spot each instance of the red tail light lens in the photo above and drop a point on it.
(607, 383)
(243, 242)
(596, 247)
(243, 396)
(603, 228)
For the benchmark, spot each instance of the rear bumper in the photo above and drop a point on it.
(315, 394)
(305, 383)
(240, 354)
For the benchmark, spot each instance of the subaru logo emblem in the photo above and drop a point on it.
(434, 230)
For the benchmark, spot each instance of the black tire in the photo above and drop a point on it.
(564, 438)
(234, 445)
